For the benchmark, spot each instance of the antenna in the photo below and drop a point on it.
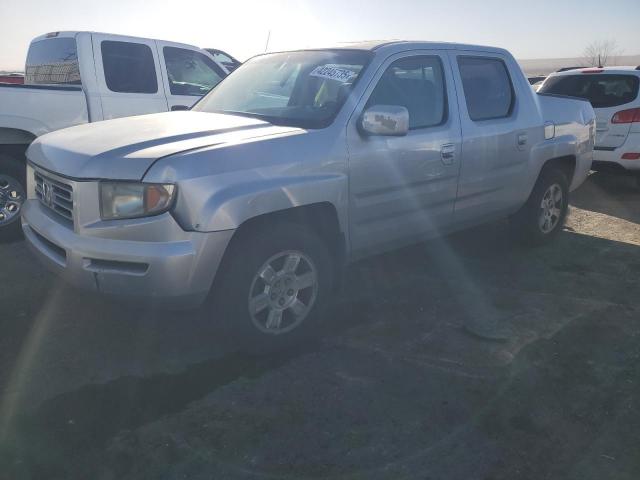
(267, 44)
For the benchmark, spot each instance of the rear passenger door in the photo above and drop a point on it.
(402, 189)
(127, 73)
(496, 136)
(187, 74)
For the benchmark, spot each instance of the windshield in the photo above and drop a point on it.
(603, 91)
(304, 89)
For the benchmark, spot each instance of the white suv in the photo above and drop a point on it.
(613, 93)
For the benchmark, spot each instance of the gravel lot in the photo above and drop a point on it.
(397, 389)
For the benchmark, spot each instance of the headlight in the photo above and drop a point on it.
(131, 199)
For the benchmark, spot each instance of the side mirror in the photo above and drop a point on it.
(387, 120)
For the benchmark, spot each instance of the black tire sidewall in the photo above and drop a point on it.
(12, 167)
(525, 222)
(243, 259)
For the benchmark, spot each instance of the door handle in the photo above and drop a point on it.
(176, 108)
(448, 153)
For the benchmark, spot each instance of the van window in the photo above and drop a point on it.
(53, 61)
(487, 87)
(416, 83)
(129, 67)
(190, 72)
(602, 90)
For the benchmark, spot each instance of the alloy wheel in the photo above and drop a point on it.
(12, 196)
(283, 292)
(551, 208)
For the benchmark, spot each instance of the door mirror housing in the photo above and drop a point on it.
(385, 120)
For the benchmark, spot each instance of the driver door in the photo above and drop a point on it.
(403, 189)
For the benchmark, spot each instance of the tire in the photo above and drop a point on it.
(543, 216)
(265, 312)
(12, 196)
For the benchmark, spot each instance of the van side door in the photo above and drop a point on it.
(402, 189)
(128, 78)
(187, 74)
(496, 135)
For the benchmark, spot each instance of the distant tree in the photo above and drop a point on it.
(601, 53)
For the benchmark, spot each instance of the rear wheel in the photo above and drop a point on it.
(273, 286)
(12, 196)
(545, 212)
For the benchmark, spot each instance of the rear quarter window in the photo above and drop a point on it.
(129, 67)
(602, 90)
(53, 61)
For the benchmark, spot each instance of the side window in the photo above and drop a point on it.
(487, 87)
(129, 67)
(190, 72)
(416, 83)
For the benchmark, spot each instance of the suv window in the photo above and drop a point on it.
(602, 90)
(53, 62)
(416, 83)
(190, 72)
(129, 67)
(487, 87)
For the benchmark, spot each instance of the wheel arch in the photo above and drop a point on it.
(566, 164)
(321, 218)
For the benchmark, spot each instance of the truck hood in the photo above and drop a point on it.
(125, 148)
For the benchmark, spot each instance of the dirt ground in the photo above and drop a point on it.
(396, 389)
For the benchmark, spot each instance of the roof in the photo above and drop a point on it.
(395, 46)
(414, 44)
(115, 36)
(617, 69)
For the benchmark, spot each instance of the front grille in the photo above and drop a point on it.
(55, 195)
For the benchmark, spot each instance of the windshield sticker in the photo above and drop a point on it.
(333, 72)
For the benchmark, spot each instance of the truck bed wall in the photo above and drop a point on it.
(54, 108)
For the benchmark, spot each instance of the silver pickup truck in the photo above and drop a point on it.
(297, 164)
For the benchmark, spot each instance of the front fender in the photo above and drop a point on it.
(225, 204)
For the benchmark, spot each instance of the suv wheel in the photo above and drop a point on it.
(12, 196)
(544, 214)
(273, 285)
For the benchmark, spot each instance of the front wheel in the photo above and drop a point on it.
(12, 196)
(273, 286)
(545, 212)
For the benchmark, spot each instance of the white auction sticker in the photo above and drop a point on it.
(333, 72)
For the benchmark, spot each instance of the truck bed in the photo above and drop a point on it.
(54, 107)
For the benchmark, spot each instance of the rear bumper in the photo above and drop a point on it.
(612, 159)
(176, 274)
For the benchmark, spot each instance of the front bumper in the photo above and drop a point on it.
(177, 271)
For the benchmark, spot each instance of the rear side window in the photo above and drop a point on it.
(129, 67)
(487, 87)
(53, 61)
(602, 90)
(416, 83)
(190, 72)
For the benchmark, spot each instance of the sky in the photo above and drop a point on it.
(529, 29)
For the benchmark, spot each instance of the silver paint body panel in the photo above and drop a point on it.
(386, 191)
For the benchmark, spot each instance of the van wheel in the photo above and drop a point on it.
(544, 214)
(12, 196)
(273, 286)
